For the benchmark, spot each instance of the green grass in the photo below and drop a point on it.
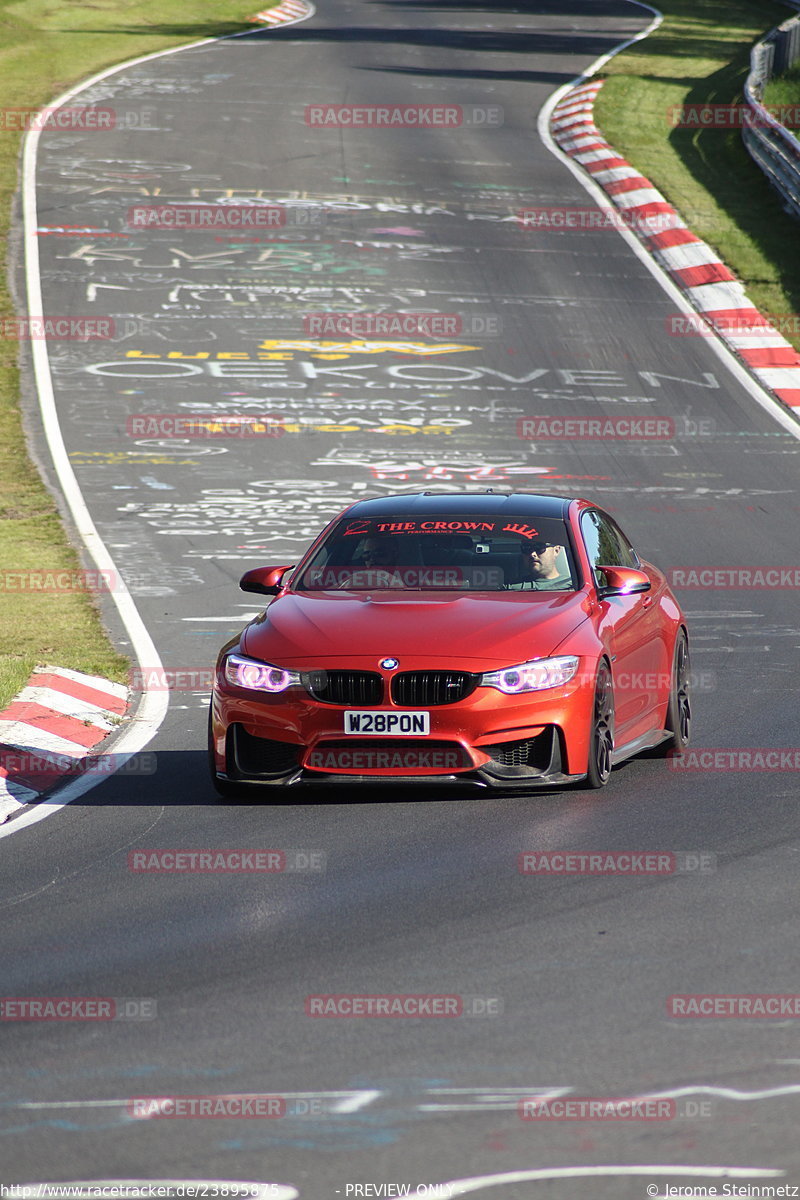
(700, 55)
(46, 46)
(784, 92)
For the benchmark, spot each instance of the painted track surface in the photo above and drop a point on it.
(420, 894)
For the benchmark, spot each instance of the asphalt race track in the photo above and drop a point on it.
(420, 892)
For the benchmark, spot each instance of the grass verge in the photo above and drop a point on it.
(699, 55)
(44, 48)
(783, 92)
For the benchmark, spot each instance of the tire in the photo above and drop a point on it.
(679, 708)
(601, 741)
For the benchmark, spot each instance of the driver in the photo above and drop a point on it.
(380, 552)
(375, 565)
(541, 572)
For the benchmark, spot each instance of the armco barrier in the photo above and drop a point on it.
(771, 146)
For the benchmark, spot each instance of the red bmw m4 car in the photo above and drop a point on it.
(505, 639)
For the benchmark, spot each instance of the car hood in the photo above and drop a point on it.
(298, 629)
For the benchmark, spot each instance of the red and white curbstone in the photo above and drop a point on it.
(281, 14)
(696, 268)
(49, 728)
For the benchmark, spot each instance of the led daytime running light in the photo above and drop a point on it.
(258, 676)
(534, 676)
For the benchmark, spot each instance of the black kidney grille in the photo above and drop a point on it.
(423, 689)
(345, 687)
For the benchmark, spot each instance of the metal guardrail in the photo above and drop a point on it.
(771, 146)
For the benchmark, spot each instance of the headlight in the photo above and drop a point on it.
(532, 676)
(258, 676)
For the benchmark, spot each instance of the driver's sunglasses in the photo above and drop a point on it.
(538, 547)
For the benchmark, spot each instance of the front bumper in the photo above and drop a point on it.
(529, 762)
(488, 738)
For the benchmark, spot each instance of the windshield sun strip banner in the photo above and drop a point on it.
(356, 527)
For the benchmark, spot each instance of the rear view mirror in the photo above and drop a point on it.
(267, 581)
(622, 581)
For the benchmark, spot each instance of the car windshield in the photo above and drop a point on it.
(458, 553)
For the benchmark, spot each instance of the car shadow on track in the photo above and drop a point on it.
(173, 778)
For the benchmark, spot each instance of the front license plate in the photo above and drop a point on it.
(387, 724)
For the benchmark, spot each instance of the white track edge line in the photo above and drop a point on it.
(153, 706)
(762, 397)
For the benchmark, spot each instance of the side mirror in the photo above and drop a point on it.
(264, 580)
(622, 581)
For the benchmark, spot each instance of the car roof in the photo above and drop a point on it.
(497, 504)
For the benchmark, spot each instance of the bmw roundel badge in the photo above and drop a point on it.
(388, 664)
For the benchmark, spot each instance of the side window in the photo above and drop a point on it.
(590, 530)
(628, 556)
(605, 543)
